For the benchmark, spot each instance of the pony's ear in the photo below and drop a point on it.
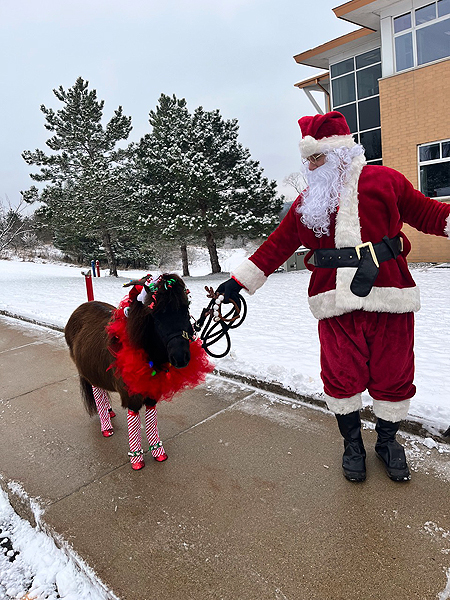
(168, 280)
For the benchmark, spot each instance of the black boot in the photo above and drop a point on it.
(390, 451)
(354, 459)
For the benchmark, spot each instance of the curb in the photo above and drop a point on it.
(409, 425)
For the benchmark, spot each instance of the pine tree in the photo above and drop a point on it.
(200, 182)
(86, 175)
(163, 160)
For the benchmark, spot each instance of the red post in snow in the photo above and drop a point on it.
(89, 286)
(97, 267)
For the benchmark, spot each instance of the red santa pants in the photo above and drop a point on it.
(368, 350)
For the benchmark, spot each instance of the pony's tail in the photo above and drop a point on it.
(88, 396)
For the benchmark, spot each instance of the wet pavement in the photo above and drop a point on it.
(250, 505)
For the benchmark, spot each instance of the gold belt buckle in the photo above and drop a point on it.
(371, 249)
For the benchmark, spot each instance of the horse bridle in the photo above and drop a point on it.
(183, 334)
(218, 325)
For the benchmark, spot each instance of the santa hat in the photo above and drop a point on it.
(322, 133)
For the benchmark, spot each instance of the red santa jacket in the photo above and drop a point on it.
(375, 202)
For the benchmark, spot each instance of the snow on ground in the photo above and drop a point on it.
(277, 342)
(32, 566)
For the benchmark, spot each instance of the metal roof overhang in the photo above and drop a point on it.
(316, 83)
(320, 56)
(365, 13)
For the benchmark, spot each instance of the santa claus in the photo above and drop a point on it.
(350, 216)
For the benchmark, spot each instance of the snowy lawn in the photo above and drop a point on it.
(277, 342)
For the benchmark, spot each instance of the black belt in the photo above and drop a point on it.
(365, 257)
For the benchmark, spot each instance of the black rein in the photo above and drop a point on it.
(217, 325)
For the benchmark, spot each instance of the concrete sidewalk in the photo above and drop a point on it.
(251, 504)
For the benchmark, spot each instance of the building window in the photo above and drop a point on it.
(355, 94)
(434, 169)
(422, 35)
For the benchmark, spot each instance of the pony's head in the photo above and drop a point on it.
(159, 318)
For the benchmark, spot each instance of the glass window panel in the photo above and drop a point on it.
(430, 152)
(343, 67)
(343, 89)
(404, 52)
(369, 113)
(435, 180)
(443, 7)
(433, 42)
(367, 81)
(371, 140)
(402, 23)
(445, 149)
(426, 13)
(349, 113)
(368, 58)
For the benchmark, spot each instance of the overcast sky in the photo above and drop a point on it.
(236, 56)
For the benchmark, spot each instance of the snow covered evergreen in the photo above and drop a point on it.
(201, 182)
(85, 175)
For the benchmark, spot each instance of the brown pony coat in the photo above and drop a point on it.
(89, 343)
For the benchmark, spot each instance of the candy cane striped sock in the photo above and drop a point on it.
(134, 437)
(151, 429)
(103, 405)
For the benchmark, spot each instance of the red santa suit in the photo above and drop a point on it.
(366, 341)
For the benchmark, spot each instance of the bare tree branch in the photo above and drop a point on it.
(12, 223)
(295, 180)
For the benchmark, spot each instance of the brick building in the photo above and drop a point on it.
(391, 80)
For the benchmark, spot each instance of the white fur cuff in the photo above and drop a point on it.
(344, 406)
(337, 302)
(391, 411)
(447, 227)
(249, 275)
(310, 145)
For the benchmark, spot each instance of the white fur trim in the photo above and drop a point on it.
(447, 227)
(143, 295)
(310, 145)
(387, 299)
(391, 411)
(249, 275)
(348, 226)
(344, 406)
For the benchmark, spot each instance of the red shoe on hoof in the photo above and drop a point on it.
(112, 414)
(107, 432)
(137, 466)
(161, 458)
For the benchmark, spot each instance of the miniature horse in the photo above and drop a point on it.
(140, 350)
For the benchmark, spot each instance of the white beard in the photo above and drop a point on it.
(321, 197)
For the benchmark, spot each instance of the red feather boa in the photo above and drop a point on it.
(131, 364)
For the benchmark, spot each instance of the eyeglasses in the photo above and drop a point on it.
(314, 158)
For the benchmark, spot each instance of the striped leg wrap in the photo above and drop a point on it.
(151, 429)
(103, 405)
(134, 436)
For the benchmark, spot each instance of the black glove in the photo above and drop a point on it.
(230, 290)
